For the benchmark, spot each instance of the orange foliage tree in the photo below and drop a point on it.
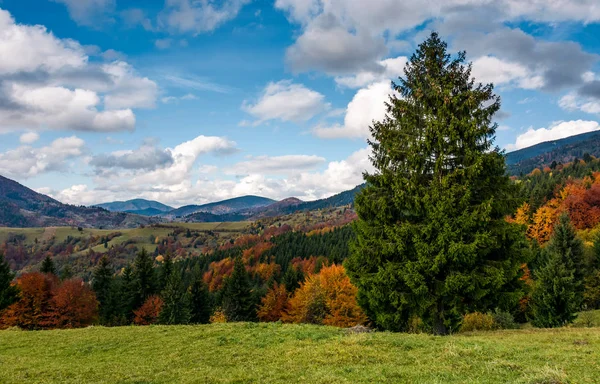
(73, 305)
(327, 298)
(273, 304)
(149, 311)
(34, 301)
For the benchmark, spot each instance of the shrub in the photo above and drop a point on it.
(477, 321)
(218, 316)
(504, 320)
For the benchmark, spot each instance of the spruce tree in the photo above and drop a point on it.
(176, 307)
(200, 304)
(102, 281)
(66, 272)
(144, 278)
(126, 297)
(238, 301)
(165, 271)
(8, 292)
(48, 266)
(431, 239)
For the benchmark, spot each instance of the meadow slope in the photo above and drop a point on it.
(275, 353)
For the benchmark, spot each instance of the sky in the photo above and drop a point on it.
(193, 101)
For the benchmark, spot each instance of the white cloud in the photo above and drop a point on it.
(193, 16)
(88, 12)
(286, 101)
(367, 105)
(175, 99)
(574, 102)
(29, 138)
(490, 69)
(558, 130)
(271, 165)
(26, 161)
(163, 43)
(392, 68)
(49, 83)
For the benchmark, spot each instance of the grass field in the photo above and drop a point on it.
(275, 353)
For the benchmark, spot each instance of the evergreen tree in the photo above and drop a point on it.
(102, 282)
(165, 271)
(292, 278)
(126, 295)
(199, 299)
(238, 301)
(432, 241)
(48, 266)
(595, 264)
(144, 278)
(66, 272)
(8, 292)
(554, 297)
(176, 302)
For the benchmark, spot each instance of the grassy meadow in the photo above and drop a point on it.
(277, 353)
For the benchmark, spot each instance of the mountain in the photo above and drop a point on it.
(23, 207)
(137, 206)
(234, 205)
(564, 150)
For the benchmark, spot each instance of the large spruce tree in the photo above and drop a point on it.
(431, 239)
(176, 302)
(144, 278)
(238, 301)
(8, 292)
(48, 266)
(200, 303)
(102, 281)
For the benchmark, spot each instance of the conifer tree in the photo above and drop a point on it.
(238, 301)
(126, 295)
(176, 302)
(143, 277)
(200, 304)
(8, 292)
(48, 266)
(66, 272)
(432, 241)
(165, 271)
(102, 281)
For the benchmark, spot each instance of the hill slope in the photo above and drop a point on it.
(564, 150)
(23, 207)
(290, 353)
(234, 205)
(137, 206)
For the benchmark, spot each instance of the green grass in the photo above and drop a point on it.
(275, 353)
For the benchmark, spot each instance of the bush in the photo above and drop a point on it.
(477, 321)
(504, 320)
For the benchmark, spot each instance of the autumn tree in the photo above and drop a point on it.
(8, 292)
(48, 266)
(149, 312)
(238, 301)
(143, 277)
(308, 304)
(73, 305)
(33, 304)
(176, 302)
(200, 303)
(273, 304)
(432, 241)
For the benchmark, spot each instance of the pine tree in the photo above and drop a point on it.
(238, 301)
(48, 266)
(176, 302)
(432, 241)
(554, 297)
(200, 304)
(8, 292)
(144, 278)
(102, 282)
(165, 271)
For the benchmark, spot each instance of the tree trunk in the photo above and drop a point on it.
(439, 328)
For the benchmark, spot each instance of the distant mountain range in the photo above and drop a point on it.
(222, 207)
(23, 207)
(564, 150)
(137, 206)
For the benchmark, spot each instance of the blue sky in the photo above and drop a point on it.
(191, 101)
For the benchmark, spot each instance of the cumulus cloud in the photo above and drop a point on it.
(367, 105)
(88, 12)
(558, 130)
(196, 17)
(392, 68)
(146, 157)
(489, 69)
(50, 83)
(574, 102)
(29, 138)
(271, 165)
(26, 161)
(286, 101)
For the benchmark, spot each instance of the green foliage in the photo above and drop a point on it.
(504, 320)
(591, 294)
(144, 278)
(292, 278)
(176, 302)
(66, 272)
(165, 271)
(239, 304)
(8, 293)
(431, 237)
(48, 266)
(102, 282)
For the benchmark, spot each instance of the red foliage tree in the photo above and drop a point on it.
(73, 305)
(273, 304)
(149, 311)
(34, 301)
